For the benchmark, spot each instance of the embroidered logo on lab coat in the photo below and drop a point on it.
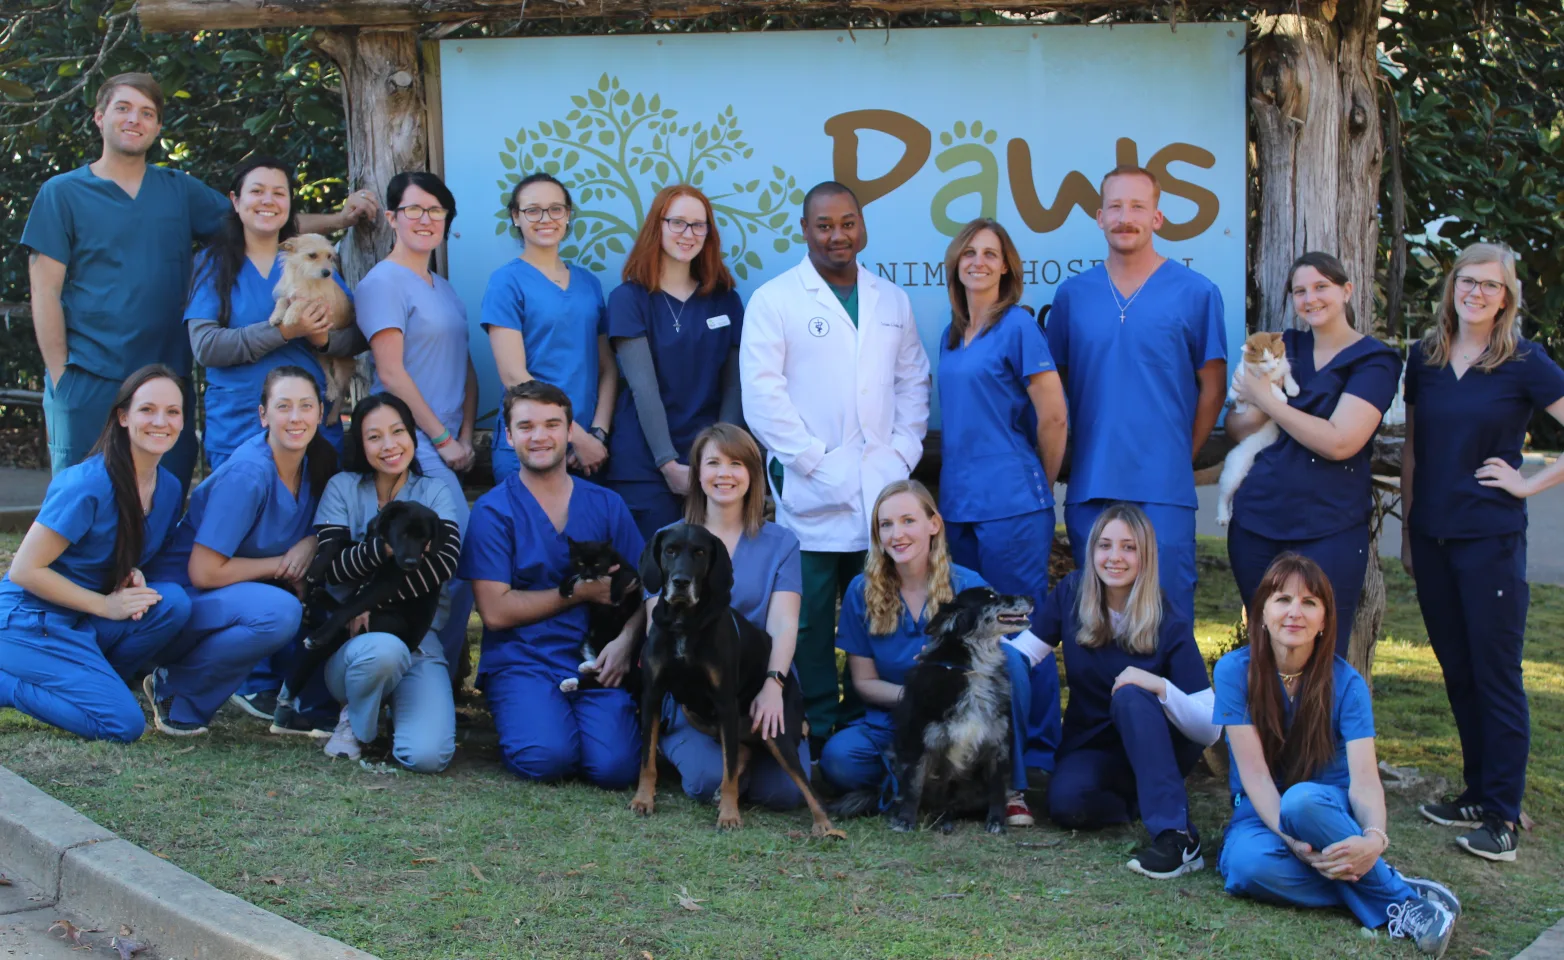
(819, 327)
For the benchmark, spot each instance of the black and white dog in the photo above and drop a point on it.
(591, 560)
(953, 723)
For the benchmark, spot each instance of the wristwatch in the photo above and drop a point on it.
(599, 433)
(778, 676)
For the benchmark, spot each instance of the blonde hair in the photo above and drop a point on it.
(1503, 338)
(1143, 612)
(738, 444)
(881, 583)
(1011, 284)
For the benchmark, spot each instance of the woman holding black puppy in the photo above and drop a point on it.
(381, 466)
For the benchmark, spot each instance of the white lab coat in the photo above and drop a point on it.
(844, 409)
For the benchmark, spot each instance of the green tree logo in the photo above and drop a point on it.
(615, 151)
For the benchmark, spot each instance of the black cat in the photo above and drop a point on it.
(590, 560)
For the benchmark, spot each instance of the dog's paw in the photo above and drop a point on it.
(825, 830)
(729, 819)
(643, 804)
(995, 825)
(902, 825)
(569, 684)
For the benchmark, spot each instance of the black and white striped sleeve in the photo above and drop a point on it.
(356, 560)
(438, 564)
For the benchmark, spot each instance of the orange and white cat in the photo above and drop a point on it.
(1265, 358)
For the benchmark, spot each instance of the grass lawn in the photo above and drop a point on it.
(475, 864)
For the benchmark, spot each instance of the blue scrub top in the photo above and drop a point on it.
(1352, 716)
(1090, 672)
(254, 515)
(1132, 387)
(511, 540)
(559, 329)
(233, 393)
(896, 653)
(990, 469)
(689, 365)
(127, 264)
(79, 506)
(433, 322)
(1457, 424)
(1293, 493)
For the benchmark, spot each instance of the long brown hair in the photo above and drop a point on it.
(114, 443)
(644, 265)
(1299, 752)
(882, 584)
(1503, 339)
(1010, 285)
(737, 443)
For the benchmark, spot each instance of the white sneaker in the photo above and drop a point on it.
(343, 743)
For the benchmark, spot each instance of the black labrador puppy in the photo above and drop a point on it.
(953, 719)
(713, 662)
(409, 529)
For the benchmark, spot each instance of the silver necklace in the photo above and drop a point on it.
(677, 316)
(1114, 290)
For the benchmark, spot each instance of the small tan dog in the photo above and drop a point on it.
(309, 273)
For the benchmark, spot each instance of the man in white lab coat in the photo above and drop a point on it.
(836, 389)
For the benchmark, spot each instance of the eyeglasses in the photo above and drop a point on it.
(678, 225)
(416, 211)
(556, 211)
(1490, 288)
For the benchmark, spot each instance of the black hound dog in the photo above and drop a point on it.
(408, 529)
(953, 720)
(713, 662)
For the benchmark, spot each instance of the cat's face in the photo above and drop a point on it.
(592, 558)
(1265, 352)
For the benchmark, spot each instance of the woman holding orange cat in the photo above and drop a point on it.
(231, 303)
(1311, 491)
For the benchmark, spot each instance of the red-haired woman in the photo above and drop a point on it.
(674, 325)
(1308, 825)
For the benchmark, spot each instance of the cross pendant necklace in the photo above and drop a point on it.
(676, 316)
(1114, 290)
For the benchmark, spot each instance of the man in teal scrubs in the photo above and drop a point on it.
(111, 246)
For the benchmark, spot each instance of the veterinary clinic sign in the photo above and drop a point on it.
(930, 127)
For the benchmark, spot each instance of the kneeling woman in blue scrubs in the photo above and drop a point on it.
(674, 324)
(78, 619)
(1308, 825)
(909, 569)
(1140, 700)
(243, 549)
(516, 554)
(729, 500)
(1311, 491)
(380, 467)
(1472, 385)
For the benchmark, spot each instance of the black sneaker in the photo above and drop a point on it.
(1173, 854)
(1437, 892)
(1494, 840)
(286, 720)
(1425, 922)
(261, 705)
(160, 711)
(1453, 812)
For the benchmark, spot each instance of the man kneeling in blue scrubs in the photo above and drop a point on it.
(516, 554)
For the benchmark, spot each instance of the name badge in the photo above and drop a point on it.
(717, 322)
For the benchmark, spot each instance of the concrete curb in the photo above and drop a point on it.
(1549, 946)
(106, 881)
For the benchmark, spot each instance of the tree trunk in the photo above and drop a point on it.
(1370, 616)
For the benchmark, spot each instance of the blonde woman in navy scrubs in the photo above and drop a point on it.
(1311, 492)
(1004, 428)
(1472, 385)
(78, 618)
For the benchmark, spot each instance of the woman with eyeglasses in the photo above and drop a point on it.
(546, 321)
(1472, 385)
(674, 324)
(417, 330)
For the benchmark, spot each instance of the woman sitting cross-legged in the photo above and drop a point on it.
(909, 570)
(381, 466)
(1140, 700)
(1308, 825)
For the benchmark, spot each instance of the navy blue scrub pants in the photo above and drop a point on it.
(1139, 765)
(71, 670)
(1012, 555)
(652, 505)
(1474, 595)
(1175, 529)
(546, 734)
(1343, 556)
(76, 408)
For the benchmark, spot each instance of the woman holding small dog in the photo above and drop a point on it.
(909, 569)
(1312, 491)
(1308, 825)
(380, 466)
(78, 618)
(231, 301)
(242, 551)
(547, 321)
(729, 501)
(1140, 700)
